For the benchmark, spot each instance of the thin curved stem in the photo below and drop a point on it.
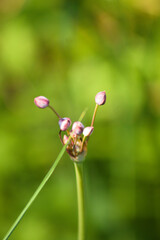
(45, 179)
(80, 199)
(54, 111)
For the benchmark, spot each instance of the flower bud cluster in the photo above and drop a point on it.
(77, 145)
(77, 138)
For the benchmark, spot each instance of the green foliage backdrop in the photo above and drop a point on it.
(68, 51)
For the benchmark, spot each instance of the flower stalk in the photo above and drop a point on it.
(54, 111)
(80, 199)
(94, 115)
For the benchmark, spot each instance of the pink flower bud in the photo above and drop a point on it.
(77, 128)
(87, 131)
(64, 123)
(73, 134)
(100, 98)
(41, 102)
(65, 139)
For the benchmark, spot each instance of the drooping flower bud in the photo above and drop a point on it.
(65, 139)
(64, 123)
(41, 102)
(87, 131)
(77, 128)
(100, 98)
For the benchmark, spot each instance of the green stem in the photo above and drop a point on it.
(45, 179)
(82, 115)
(80, 198)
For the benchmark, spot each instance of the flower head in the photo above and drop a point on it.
(77, 128)
(88, 131)
(100, 98)
(77, 138)
(41, 102)
(65, 139)
(64, 123)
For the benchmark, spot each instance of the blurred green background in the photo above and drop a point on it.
(68, 51)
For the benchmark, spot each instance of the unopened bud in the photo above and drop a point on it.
(64, 123)
(41, 102)
(77, 128)
(87, 131)
(65, 139)
(73, 134)
(100, 98)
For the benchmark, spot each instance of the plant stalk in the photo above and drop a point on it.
(94, 115)
(80, 199)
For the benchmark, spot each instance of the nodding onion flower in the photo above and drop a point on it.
(79, 135)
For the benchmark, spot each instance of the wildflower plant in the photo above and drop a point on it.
(74, 141)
